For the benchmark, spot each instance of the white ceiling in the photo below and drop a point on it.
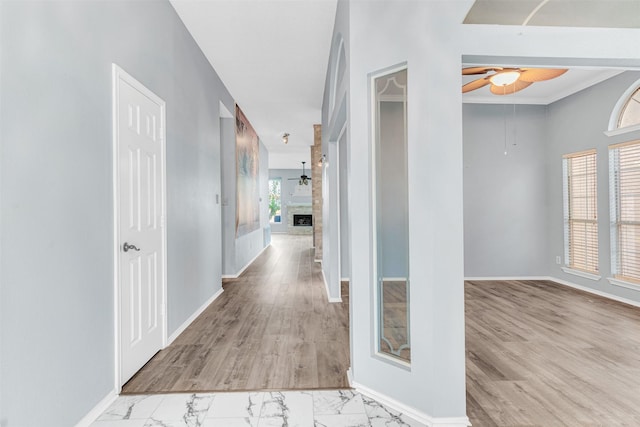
(272, 56)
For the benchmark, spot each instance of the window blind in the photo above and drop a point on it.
(581, 211)
(624, 167)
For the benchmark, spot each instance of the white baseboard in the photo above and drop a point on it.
(507, 278)
(102, 406)
(409, 411)
(564, 283)
(326, 288)
(235, 276)
(193, 317)
(594, 291)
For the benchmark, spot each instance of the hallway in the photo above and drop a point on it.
(271, 329)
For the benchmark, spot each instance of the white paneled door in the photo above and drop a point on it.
(139, 155)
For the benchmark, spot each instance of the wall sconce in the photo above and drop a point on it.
(285, 137)
(323, 160)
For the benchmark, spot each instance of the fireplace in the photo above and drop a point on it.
(299, 217)
(302, 220)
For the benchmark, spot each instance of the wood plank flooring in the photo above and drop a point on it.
(538, 353)
(542, 354)
(271, 329)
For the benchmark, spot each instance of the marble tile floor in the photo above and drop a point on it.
(317, 408)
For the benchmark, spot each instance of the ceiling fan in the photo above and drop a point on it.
(506, 81)
(304, 179)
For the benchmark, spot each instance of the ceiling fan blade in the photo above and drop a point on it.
(479, 70)
(540, 74)
(509, 89)
(476, 84)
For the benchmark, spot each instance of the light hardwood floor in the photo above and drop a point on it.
(542, 354)
(538, 353)
(271, 329)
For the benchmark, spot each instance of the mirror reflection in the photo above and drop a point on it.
(391, 212)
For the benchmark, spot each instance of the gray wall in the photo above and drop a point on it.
(380, 35)
(56, 223)
(505, 221)
(334, 120)
(574, 124)
(526, 185)
(288, 194)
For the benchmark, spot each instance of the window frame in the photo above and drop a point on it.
(616, 215)
(571, 265)
(614, 128)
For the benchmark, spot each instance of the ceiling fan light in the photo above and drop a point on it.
(505, 78)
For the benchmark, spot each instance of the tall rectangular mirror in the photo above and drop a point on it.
(391, 213)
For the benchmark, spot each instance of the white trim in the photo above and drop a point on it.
(235, 276)
(326, 288)
(344, 279)
(623, 284)
(118, 74)
(622, 131)
(594, 291)
(394, 360)
(479, 279)
(193, 317)
(338, 207)
(409, 411)
(97, 410)
(580, 273)
(615, 113)
(374, 123)
(334, 75)
(564, 283)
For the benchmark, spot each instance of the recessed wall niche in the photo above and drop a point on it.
(391, 224)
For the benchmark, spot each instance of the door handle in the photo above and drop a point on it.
(127, 246)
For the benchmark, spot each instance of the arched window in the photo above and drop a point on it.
(625, 116)
(630, 112)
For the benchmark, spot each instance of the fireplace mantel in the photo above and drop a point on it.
(298, 209)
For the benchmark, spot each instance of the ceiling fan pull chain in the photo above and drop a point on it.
(515, 127)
